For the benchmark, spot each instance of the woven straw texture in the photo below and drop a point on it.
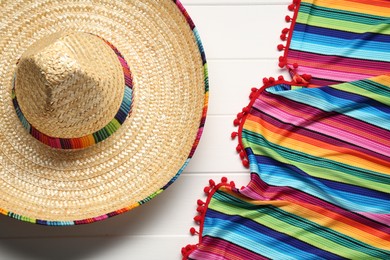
(73, 93)
(64, 187)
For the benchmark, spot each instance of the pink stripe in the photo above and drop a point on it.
(382, 218)
(322, 60)
(102, 217)
(335, 75)
(272, 110)
(198, 254)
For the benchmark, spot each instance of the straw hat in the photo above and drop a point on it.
(102, 104)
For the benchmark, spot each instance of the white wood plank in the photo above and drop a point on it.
(231, 82)
(240, 32)
(94, 248)
(236, 2)
(217, 152)
(169, 214)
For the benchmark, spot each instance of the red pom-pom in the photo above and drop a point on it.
(224, 180)
(242, 155)
(296, 1)
(281, 64)
(212, 182)
(206, 189)
(200, 202)
(238, 148)
(200, 209)
(283, 37)
(265, 81)
(295, 65)
(246, 109)
(299, 80)
(240, 115)
(291, 7)
(272, 80)
(192, 231)
(287, 18)
(285, 30)
(282, 58)
(198, 218)
(245, 163)
(280, 47)
(188, 247)
(232, 184)
(236, 122)
(234, 135)
(280, 78)
(307, 77)
(183, 251)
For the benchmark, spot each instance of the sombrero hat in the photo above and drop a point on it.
(102, 104)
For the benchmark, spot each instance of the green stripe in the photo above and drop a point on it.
(206, 76)
(112, 126)
(341, 25)
(340, 15)
(316, 166)
(374, 92)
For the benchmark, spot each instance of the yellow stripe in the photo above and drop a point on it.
(342, 25)
(383, 80)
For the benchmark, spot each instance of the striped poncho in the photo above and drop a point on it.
(318, 147)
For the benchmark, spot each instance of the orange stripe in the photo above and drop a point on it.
(383, 3)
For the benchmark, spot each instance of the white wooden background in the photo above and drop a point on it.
(240, 38)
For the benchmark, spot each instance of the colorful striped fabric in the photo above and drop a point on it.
(340, 40)
(318, 152)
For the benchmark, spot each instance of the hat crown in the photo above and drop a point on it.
(69, 85)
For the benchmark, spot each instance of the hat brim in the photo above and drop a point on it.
(43, 185)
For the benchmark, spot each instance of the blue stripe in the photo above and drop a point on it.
(374, 37)
(273, 174)
(358, 99)
(344, 51)
(254, 227)
(329, 183)
(317, 98)
(244, 234)
(325, 41)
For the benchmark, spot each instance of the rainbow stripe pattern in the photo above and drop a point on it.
(319, 153)
(91, 139)
(320, 177)
(340, 41)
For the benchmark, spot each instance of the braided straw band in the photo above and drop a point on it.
(91, 139)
